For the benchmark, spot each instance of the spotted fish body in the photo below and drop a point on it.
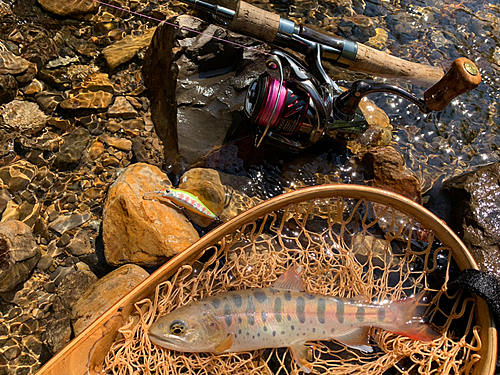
(283, 316)
(184, 199)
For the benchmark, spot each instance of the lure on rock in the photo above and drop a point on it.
(284, 316)
(182, 198)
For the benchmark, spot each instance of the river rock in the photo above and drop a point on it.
(385, 168)
(80, 244)
(122, 108)
(476, 204)
(18, 175)
(72, 149)
(19, 254)
(105, 293)
(23, 117)
(125, 49)
(8, 88)
(140, 231)
(196, 92)
(119, 143)
(71, 7)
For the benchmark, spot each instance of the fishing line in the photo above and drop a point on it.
(180, 27)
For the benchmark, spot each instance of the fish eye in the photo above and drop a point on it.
(177, 328)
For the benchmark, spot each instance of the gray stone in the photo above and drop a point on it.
(67, 222)
(476, 203)
(45, 262)
(72, 149)
(19, 254)
(80, 245)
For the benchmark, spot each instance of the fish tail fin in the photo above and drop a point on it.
(411, 322)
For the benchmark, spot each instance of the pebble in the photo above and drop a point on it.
(68, 222)
(45, 262)
(126, 48)
(96, 150)
(122, 108)
(80, 244)
(23, 117)
(119, 143)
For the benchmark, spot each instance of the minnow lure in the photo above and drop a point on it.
(182, 198)
(284, 316)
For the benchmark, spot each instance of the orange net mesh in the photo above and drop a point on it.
(347, 247)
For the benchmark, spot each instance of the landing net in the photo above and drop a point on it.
(347, 247)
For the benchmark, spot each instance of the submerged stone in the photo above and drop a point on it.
(19, 254)
(23, 117)
(69, 7)
(105, 293)
(125, 49)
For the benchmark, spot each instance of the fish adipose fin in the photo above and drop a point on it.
(225, 344)
(301, 353)
(412, 323)
(356, 339)
(290, 280)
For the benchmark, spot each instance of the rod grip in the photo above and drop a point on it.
(462, 76)
(381, 64)
(256, 22)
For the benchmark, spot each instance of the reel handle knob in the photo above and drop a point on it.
(462, 76)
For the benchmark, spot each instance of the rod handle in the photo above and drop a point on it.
(253, 21)
(381, 64)
(462, 76)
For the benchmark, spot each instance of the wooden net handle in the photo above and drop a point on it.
(462, 76)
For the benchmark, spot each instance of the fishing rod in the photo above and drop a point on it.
(301, 106)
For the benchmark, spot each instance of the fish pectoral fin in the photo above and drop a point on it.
(356, 339)
(290, 280)
(225, 344)
(301, 353)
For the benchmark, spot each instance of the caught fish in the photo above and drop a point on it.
(182, 198)
(284, 316)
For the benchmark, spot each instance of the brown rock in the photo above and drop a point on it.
(18, 176)
(24, 117)
(12, 64)
(142, 231)
(125, 49)
(104, 293)
(19, 254)
(96, 150)
(119, 143)
(69, 7)
(122, 108)
(90, 99)
(386, 169)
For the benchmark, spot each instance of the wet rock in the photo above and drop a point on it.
(49, 100)
(80, 244)
(12, 64)
(476, 204)
(92, 99)
(34, 87)
(74, 286)
(58, 333)
(119, 143)
(385, 169)
(122, 108)
(96, 150)
(8, 88)
(72, 149)
(95, 92)
(379, 133)
(193, 101)
(45, 262)
(68, 222)
(18, 176)
(23, 117)
(142, 231)
(206, 184)
(59, 123)
(104, 293)
(19, 254)
(125, 49)
(67, 8)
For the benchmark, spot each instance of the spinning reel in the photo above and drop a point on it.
(303, 104)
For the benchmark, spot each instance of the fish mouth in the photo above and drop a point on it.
(168, 342)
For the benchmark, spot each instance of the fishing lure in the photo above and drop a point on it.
(182, 198)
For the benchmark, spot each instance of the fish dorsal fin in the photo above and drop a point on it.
(225, 344)
(301, 353)
(356, 339)
(290, 280)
